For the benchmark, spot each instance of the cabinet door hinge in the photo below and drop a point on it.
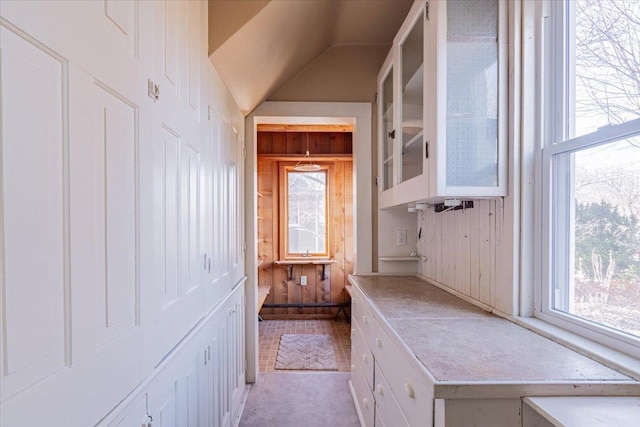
(153, 90)
(244, 246)
(208, 112)
(376, 97)
(246, 365)
(426, 149)
(377, 181)
(427, 11)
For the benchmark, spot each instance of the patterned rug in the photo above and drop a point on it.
(307, 352)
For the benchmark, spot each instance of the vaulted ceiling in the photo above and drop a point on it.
(311, 50)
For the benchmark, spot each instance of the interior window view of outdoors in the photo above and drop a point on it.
(597, 217)
(307, 213)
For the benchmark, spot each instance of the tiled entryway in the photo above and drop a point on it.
(271, 330)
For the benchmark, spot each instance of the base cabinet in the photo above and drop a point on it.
(386, 387)
(203, 383)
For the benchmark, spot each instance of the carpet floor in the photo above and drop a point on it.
(292, 399)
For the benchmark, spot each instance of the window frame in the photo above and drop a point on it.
(283, 200)
(555, 131)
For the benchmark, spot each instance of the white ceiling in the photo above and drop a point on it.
(258, 46)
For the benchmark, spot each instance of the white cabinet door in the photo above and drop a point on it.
(470, 151)
(174, 397)
(71, 220)
(177, 299)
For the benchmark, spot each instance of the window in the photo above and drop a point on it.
(305, 211)
(591, 171)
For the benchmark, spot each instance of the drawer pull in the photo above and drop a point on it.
(365, 402)
(379, 342)
(409, 390)
(380, 390)
(364, 358)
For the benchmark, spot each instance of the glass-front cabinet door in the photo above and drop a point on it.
(411, 62)
(387, 134)
(471, 137)
(442, 104)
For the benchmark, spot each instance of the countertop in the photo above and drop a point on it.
(461, 344)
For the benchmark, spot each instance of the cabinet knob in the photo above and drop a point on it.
(380, 390)
(364, 358)
(365, 402)
(409, 389)
(365, 319)
(378, 342)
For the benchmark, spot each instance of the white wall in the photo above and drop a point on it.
(113, 207)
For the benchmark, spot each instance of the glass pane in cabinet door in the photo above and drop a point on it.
(472, 93)
(412, 54)
(387, 129)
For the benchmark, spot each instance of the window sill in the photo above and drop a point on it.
(614, 359)
(310, 260)
(307, 261)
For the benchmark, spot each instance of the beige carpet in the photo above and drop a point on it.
(300, 399)
(306, 352)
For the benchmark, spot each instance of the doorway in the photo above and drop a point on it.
(358, 115)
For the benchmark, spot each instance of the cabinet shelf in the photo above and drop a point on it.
(397, 258)
(413, 88)
(413, 140)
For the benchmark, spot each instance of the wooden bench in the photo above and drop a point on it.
(263, 291)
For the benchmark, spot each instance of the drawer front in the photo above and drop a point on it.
(361, 355)
(366, 323)
(364, 398)
(415, 400)
(386, 403)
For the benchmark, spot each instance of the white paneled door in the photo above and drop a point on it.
(73, 157)
(177, 299)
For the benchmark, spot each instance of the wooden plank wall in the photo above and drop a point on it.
(332, 288)
(461, 246)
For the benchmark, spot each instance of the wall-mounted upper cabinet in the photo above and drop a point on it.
(442, 104)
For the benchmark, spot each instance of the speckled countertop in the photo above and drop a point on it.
(459, 343)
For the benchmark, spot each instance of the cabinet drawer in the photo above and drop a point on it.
(415, 400)
(386, 403)
(361, 355)
(364, 397)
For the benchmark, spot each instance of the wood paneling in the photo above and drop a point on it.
(295, 143)
(283, 290)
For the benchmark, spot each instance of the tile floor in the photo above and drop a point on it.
(270, 331)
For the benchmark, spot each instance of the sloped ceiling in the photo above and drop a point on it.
(313, 50)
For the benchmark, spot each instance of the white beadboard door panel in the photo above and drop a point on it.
(34, 225)
(460, 249)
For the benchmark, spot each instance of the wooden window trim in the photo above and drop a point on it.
(283, 169)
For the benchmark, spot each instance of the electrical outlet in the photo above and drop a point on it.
(303, 280)
(401, 237)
